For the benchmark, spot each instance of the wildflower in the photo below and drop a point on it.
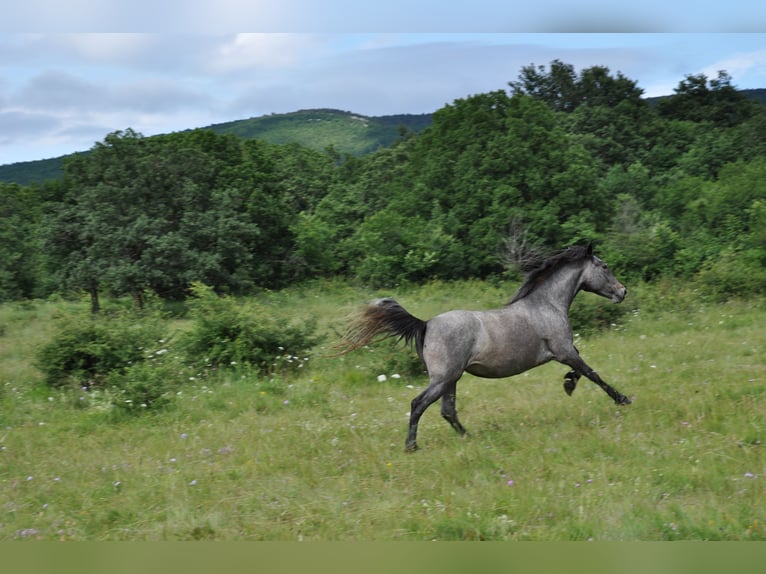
(511, 482)
(749, 475)
(184, 435)
(382, 378)
(286, 402)
(396, 376)
(193, 482)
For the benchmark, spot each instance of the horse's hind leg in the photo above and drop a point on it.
(435, 390)
(449, 413)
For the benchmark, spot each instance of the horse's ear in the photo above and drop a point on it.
(590, 249)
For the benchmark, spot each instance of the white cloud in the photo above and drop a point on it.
(109, 48)
(270, 51)
(740, 65)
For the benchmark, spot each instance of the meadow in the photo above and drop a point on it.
(317, 453)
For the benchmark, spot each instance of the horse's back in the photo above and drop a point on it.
(491, 344)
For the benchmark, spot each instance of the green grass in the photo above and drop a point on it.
(319, 454)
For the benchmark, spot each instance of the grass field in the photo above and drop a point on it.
(319, 454)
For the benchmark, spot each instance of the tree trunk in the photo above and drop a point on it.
(95, 304)
(138, 299)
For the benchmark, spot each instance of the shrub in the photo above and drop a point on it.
(149, 384)
(229, 333)
(85, 350)
(734, 274)
(589, 314)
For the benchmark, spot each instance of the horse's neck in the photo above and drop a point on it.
(560, 288)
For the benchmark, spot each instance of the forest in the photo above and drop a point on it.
(670, 190)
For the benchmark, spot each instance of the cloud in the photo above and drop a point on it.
(57, 92)
(740, 65)
(265, 51)
(156, 96)
(19, 123)
(61, 93)
(108, 48)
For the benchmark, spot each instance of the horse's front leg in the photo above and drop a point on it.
(617, 396)
(580, 367)
(570, 381)
(571, 378)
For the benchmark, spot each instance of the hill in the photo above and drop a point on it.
(320, 128)
(346, 132)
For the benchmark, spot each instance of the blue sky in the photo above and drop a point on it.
(65, 82)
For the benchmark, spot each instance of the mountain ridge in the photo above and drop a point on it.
(320, 128)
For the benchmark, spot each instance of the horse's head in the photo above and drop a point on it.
(598, 278)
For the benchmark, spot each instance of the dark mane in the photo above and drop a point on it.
(535, 277)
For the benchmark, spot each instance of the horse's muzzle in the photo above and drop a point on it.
(619, 294)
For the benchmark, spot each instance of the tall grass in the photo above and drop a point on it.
(318, 454)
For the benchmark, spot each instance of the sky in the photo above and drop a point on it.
(67, 81)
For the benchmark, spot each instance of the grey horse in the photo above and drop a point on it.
(532, 329)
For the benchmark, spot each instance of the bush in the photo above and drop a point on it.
(228, 333)
(590, 313)
(734, 274)
(85, 351)
(149, 384)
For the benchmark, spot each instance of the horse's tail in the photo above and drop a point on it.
(382, 319)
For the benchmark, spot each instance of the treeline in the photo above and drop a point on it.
(672, 190)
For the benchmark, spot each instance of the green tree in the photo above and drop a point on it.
(155, 214)
(19, 243)
(700, 99)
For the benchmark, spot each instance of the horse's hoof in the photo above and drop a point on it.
(623, 400)
(569, 387)
(411, 447)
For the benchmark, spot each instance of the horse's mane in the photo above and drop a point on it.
(535, 277)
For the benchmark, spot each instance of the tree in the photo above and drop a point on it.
(155, 214)
(557, 87)
(19, 244)
(700, 99)
(561, 88)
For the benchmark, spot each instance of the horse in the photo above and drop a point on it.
(530, 330)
